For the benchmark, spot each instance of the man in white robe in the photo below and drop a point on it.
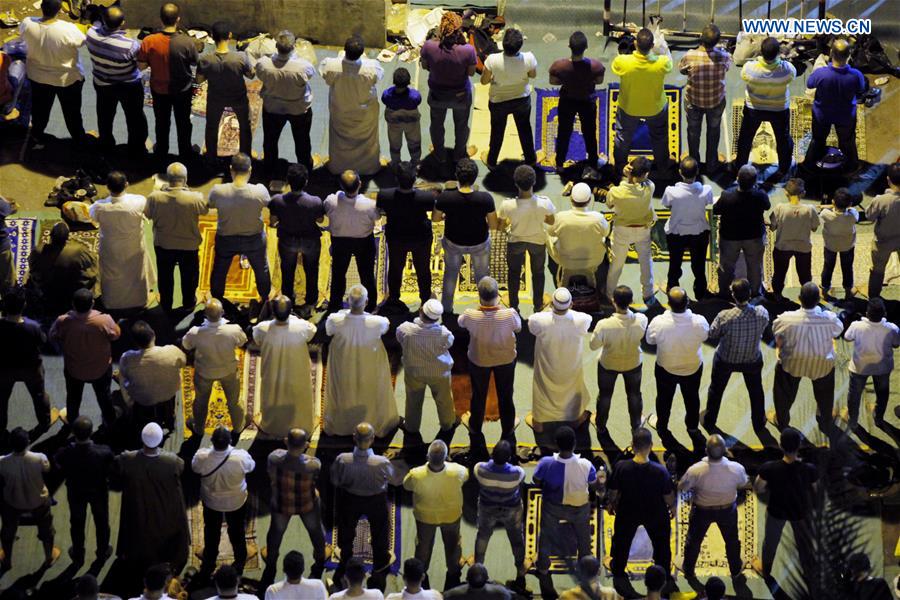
(126, 272)
(359, 377)
(353, 110)
(286, 395)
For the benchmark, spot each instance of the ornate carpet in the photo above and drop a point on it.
(362, 547)
(569, 555)
(712, 561)
(21, 238)
(248, 367)
(226, 550)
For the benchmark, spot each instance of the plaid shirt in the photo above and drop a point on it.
(293, 482)
(706, 76)
(738, 331)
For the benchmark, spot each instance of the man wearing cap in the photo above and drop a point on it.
(153, 525)
(558, 392)
(576, 240)
(427, 363)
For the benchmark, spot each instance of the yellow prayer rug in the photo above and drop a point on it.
(248, 367)
(712, 560)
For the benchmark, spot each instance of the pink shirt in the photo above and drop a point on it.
(85, 341)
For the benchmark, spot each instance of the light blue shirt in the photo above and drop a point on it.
(688, 202)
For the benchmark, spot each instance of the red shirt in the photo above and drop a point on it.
(170, 56)
(85, 341)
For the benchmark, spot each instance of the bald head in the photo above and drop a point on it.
(363, 436)
(114, 18)
(840, 52)
(169, 14)
(357, 298)
(297, 439)
(281, 308)
(715, 447)
(350, 182)
(177, 174)
(678, 300)
(214, 310)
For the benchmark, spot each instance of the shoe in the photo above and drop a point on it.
(850, 292)
(77, 556)
(102, 557)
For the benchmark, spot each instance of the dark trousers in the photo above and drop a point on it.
(882, 384)
(658, 529)
(188, 263)
(164, 106)
(606, 382)
(804, 544)
(559, 524)
(665, 393)
(782, 259)
(273, 124)
(696, 245)
(101, 385)
(376, 510)
(586, 110)
(33, 378)
(161, 413)
(78, 504)
(626, 127)
(425, 534)
(214, 109)
(421, 258)
(721, 373)
(342, 250)
(9, 525)
(251, 246)
(312, 521)
(289, 248)
(42, 97)
(785, 389)
(831, 258)
(846, 135)
(459, 102)
(131, 97)
(695, 116)
(515, 259)
(701, 519)
(780, 121)
(520, 109)
(504, 378)
(236, 522)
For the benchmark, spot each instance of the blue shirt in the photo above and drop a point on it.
(499, 484)
(565, 480)
(114, 56)
(395, 100)
(836, 91)
(688, 202)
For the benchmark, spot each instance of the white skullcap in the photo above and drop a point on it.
(582, 193)
(562, 299)
(433, 309)
(152, 435)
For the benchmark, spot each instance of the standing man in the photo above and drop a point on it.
(351, 220)
(54, 70)
(223, 488)
(874, 339)
(175, 211)
(508, 73)
(688, 228)
(706, 68)
(239, 227)
(117, 80)
(715, 482)
(578, 77)
(678, 334)
(619, 337)
(642, 98)
(837, 85)
(353, 109)
(171, 55)
(768, 98)
(794, 224)
(470, 216)
(414, 577)
(884, 210)
(492, 350)
(361, 479)
(224, 71)
(805, 342)
(437, 504)
(86, 467)
(84, 335)
(287, 98)
(214, 343)
(576, 241)
(738, 331)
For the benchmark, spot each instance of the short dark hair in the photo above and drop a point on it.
(284, 42)
(241, 163)
(714, 588)
(169, 13)
(413, 570)
(354, 47)
(13, 302)
(226, 577)
(809, 295)
(87, 585)
(512, 41)
(113, 17)
(641, 439)
(221, 438)
(842, 198)
(644, 40)
(689, 167)
(156, 577)
(402, 77)
(502, 452)
(710, 36)
(893, 173)
(746, 177)
(640, 166)
(859, 563)
(297, 176)
(770, 49)
(116, 181)
(50, 8)
(59, 234)
(565, 438)
(355, 571)
(623, 296)
(790, 440)
(524, 177)
(578, 43)
(293, 565)
(221, 31)
(477, 576)
(466, 171)
(142, 333)
(655, 578)
(82, 428)
(795, 187)
(588, 566)
(406, 175)
(18, 440)
(83, 300)
(740, 290)
(875, 310)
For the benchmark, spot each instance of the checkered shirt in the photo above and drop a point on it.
(706, 76)
(738, 331)
(293, 483)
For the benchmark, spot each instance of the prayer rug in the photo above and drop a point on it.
(712, 560)
(640, 556)
(658, 243)
(226, 550)
(362, 546)
(21, 238)
(566, 556)
(641, 144)
(89, 237)
(217, 414)
(547, 123)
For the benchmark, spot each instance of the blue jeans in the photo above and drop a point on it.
(460, 102)
(701, 519)
(713, 116)
(251, 246)
(289, 248)
(626, 128)
(453, 257)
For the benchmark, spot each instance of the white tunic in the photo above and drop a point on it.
(558, 392)
(286, 394)
(127, 274)
(353, 114)
(359, 376)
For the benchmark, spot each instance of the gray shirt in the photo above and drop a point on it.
(23, 480)
(351, 216)
(362, 472)
(714, 483)
(885, 211)
(285, 79)
(793, 225)
(839, 228)
(175, 214)
(152, 375)
(239, 208)
(225, 72)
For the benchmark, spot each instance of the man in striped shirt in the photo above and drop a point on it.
(117, 80)
(805, 342)
(767, 99)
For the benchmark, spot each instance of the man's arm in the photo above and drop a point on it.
(493, 221)
(760, 486)
(486, 76)
(437, 216)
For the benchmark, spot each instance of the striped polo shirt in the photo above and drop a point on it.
(426, 349)
(114, 56)
(499, 484)
(806, 341)
(767, 84)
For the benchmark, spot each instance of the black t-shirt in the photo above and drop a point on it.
(641, 487)
(297, 214)
(790, 488)
(873, 588)
(225, 73)
(407, 214)
(21, 347)
(86, 467)
(465, 214)
(741, 214)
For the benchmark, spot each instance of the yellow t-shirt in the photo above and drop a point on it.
(437, 496)
(642, 82)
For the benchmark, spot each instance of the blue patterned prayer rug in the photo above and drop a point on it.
(545, 129)
(21, 237)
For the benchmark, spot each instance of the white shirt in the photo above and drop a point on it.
(510, 75)
(688, 202)
(618, 337)
(366, 595)
(52, 51)
(807, 341)
(131, 204)
(352, 217)
(143, 597)
(226, 489)
(420, 595)
(873, 346)
(558, 391)
(678, 337)
(577, 239)
(308, 589)
(238, 597)
(526, 218)
(715, 483)
(215, 343)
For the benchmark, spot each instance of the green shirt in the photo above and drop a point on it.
(642, 78)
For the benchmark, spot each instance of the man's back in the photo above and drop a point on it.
(85, 466)
(223, 483)
(351, 216)
(806, 341)
(579, 238)
(285, 84)
(214, 343)
(85, 340)
(59, 272)
(175, 215)
(741, 214)
(641, 487)
(21, 347)
(768, 84)
(52, 51)
(225, 72)
(170, 56)
(490, 591)
(239, 208)
(23, 479)
(642, 78)
(885, 211)
(307, 589)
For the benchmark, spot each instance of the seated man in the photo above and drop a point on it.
(577, 239)
(58, 269)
